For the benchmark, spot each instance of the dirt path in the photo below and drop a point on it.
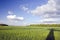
(51, 35)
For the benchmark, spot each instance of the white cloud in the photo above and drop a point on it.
(49, 7)
(10, 12)
(13, 18)
(50, 19)
(49, 12)
(24, 8)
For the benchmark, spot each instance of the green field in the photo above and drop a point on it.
(27, 33)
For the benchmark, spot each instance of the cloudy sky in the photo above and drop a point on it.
(24, 12)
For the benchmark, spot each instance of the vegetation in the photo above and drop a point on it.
(46, 25)
(28, 32)
(3, 25)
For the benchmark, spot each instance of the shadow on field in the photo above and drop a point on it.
(51, 35)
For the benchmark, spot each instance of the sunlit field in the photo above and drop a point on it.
(27, 33)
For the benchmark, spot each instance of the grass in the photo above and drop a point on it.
(57, 35)
(26, 33)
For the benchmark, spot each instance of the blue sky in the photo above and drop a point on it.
(23, 12)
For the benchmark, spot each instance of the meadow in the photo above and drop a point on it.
(29, 33)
